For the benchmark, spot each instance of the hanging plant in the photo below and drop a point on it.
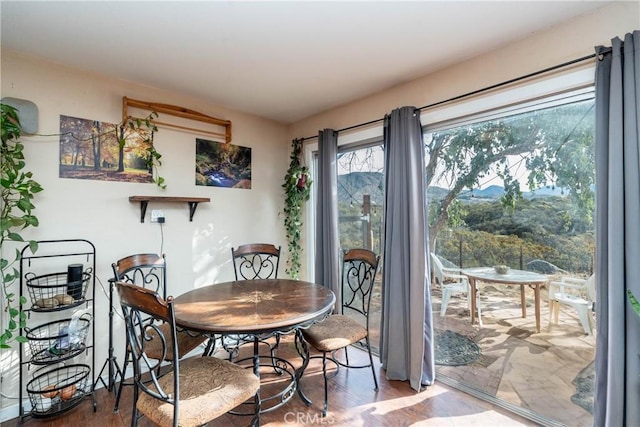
(297, 187)
(145, 128)
(635, 304)
(17, 190)
(634, 301)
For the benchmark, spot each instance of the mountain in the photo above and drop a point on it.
(492, 192)
(547, 191)
(352, 186)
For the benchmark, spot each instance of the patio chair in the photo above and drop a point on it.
(580, 294)
(451, 281)
(350, 325)
(149, 271)
(170, 391)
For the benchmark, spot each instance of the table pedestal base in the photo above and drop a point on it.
(278, 382)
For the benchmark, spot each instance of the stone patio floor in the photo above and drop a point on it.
(546, 372)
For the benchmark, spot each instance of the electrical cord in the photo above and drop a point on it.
(161, 237)
(106, 294)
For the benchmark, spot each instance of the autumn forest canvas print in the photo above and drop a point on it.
(90, 149)
(221, 164)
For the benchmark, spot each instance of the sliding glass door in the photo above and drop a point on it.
(513, 187)
(517, 189)
(360, 199)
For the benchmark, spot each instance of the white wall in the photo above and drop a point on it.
(534, 52)
(564, 43)
(198, 252)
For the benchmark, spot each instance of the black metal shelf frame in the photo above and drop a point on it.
(52, 249)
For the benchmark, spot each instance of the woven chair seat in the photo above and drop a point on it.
(186, 343)
(335, 332)
(209, 388)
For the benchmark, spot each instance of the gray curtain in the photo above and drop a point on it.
(406, 330)
(617, 391)
(327, 268)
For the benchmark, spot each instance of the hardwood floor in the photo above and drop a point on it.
(352, 402)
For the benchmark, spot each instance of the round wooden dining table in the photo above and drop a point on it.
(256, 308)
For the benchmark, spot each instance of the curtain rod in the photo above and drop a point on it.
(475, 92)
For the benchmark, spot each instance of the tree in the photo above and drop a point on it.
(75, 135)
(555, 145)
(96, 145)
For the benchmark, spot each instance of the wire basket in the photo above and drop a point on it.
(58, 390)
(52, 292)
(53, 341)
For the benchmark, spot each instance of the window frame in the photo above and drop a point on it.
(575, 82)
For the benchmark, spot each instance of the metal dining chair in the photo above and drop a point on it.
(149, 271)
(253, 261)
(256, 261)
(350, 324)
(170, 391)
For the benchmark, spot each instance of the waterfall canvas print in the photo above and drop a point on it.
(89, 149)
(220, 164)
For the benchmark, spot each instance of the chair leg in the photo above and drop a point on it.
(373, 369)
(255, 421)
(210, 348)
(127, 355)
(446, 295)
(479, 310)
(134, 411)
(326, 389)
(231, 346)
(583, 313)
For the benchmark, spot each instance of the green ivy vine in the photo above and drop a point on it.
(17, 190)
(634, 301)
(297, 187)
(137, 125)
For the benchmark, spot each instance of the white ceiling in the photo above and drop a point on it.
(280, 60)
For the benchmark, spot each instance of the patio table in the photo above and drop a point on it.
(512, 277)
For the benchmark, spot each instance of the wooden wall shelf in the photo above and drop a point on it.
(176, 111)
(144, 201)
